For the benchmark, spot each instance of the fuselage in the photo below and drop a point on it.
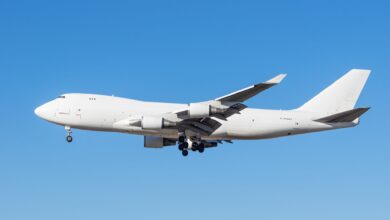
(103, 113)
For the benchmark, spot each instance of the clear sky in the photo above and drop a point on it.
(186, 51)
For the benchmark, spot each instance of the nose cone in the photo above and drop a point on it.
(39, 111)
(42, 111)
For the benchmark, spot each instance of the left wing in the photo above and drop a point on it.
(228, 105)
(220, 108)
(247, 93)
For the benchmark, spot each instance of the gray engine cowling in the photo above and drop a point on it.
(158, 142)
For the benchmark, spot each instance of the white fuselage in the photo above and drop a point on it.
(102, 113)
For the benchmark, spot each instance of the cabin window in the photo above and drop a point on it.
(61, 97)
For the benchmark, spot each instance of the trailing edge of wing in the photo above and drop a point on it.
(347, 116)
(247, 93)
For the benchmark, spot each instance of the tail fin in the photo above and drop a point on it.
(341, 96)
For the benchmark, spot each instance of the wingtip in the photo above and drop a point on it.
(277, 79)
(361, 71)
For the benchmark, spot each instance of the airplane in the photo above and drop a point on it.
(201, 125)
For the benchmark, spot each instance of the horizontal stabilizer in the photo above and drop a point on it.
(347, 116)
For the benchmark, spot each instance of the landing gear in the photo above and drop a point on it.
(201, 148)
(183, 146)
(193, 144)
(182, 139)
(69, 137)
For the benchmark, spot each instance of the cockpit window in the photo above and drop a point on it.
(61, 97)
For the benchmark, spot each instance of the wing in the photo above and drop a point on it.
(247, 93)
(208, 115)
(232, 103)
(221, 108)
(202, 126)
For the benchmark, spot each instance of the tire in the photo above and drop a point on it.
(201, 148)
(182, 139)
(185, 153)
(69, 139)
(194, 147)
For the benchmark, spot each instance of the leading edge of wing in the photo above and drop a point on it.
(247, 93)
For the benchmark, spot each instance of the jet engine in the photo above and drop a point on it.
(158, 142)
(155, 123)
(200, 110)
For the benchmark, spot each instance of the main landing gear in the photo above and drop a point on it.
(69, 137)
(186, 144)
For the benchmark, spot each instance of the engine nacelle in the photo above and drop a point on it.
(155, 123)
(197, 110)
(158, 142)
(200, 110)
(152, 123)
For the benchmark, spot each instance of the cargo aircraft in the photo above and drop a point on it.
(202, 125)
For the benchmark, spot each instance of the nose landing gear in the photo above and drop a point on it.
(69, 137)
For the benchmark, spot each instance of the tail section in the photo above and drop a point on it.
(341, 96)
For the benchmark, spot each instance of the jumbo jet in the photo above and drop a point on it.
(201, 125)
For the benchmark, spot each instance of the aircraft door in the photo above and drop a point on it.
(78, 113)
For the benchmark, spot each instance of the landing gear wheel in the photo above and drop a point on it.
(194, 147)
(68, 130)
(182, 139)
(69, 139)
(201, 148)
(181, 147)
(185, 153)
(185, 145)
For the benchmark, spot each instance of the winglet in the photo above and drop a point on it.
(277, 79)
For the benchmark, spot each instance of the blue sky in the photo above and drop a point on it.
(185, 51)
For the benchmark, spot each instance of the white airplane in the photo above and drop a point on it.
(197, 126)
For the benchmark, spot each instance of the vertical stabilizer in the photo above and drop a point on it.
(341, 96)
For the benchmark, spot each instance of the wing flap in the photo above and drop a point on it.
(204, 126)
